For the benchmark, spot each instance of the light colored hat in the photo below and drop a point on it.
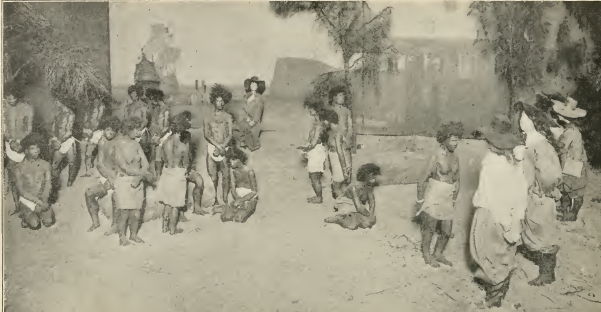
(568, 109)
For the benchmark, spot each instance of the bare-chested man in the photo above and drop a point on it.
(132, 169)
(33, 182)
(142, 110)
(339, 102)
(106, 168)
(91, 133)
(63, 145)
(16, 125)
(339, 164)
(218, 133)
(159, 127)
(173, 184)
(244, 188)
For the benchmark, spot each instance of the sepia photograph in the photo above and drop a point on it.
(301, 156)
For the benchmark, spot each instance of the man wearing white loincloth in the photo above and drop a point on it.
(218, 133)
(17, 119)
(132, 169)
(500, 200)
(63, 145)
(33, 182)
(172, 186)
(106, 168)
(315, 151)
(244, 188)
(543, 172)
(437, 193)
(91, 133)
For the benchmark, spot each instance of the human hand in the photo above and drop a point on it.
(252, 123)
(41, 207)
(247, 120)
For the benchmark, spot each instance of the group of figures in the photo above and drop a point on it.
(532, 176)
(137, 146)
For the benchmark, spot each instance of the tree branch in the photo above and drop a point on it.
(373, 19)
(13, 76)
(355, 62)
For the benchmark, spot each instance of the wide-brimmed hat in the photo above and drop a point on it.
(503, 134)
(568, 108)
(260, 84)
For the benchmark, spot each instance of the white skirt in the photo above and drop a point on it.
(316, 158)
(438, 201)
(211, 150)
(172, 187)
(337, 174)
(14, 156)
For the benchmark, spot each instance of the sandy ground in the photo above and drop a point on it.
(284, 258)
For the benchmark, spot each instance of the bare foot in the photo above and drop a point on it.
(177, 231)
(123, 242)
(93, 227)
(443, 260)
(431, 261)
(112, 231)
(87, 175)
(137, 240)
(315, 200)
(200, 212)
(182, 218)
(217, 209)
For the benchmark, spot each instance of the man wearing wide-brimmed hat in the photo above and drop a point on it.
(500, 201)
(573, 157)
(250, 125)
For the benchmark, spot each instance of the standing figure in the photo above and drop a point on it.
(132, 169)
(244, 188)
(17, 122)
(339, 102)
(107, 170)
(573, 158)
(437, 194)
(63, 144)
(250, 125)
(172, 186)
(32, 177)
(339, 164)
(91, 133)
(500, 200)
(158, 127)
(142, 109)
(218, 133)
(362, 194)
(542, 169)
(315, 150)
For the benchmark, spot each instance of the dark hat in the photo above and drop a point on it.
(260, 84)
(503, 134)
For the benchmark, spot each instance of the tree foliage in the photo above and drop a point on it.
(353, 27)
(535, 48)
(33, 46)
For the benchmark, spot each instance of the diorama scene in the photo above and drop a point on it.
(301, 156)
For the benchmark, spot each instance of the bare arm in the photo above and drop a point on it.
(46, 185)
(315, 138)
(208, 134)
(233, 185)
(101, 165)
(350, 130)
(358, 205)
(253, 186)
(186, 158)
(230, 125)
(427, 174)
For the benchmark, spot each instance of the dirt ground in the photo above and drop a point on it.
(284, 258)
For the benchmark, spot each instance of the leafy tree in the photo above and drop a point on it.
(33, 46)
(353, 27)
(532, 52)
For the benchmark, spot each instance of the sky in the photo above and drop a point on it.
(228, 41)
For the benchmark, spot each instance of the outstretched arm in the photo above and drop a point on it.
(253, 187)
(358, 205)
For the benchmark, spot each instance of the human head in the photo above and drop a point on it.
(13, 95)
(236, 157)
(155, 96)
(110, 127)
(32, 145)
(254, 84)
(220, 96)
(134, 92)
(314, 106)
(449, 135)
(368, 174)
(338, 96)
(180, 123)
(502, 135)
(131, 127)
(187, 115)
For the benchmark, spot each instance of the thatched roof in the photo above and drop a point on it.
(146, 71)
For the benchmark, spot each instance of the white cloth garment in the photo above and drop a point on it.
(164, 138)
(14, 156)
(96, 136)
(66, 146)
(438, 201)
(211, 150)
(31, 205)
(172, 187)
(242, 191)
(316, 158)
